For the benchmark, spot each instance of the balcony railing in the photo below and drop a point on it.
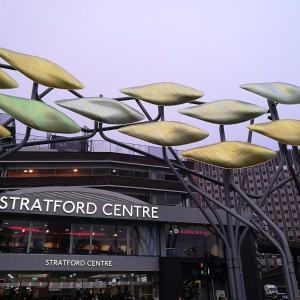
(90, 146)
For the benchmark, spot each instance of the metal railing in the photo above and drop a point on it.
(92, 146)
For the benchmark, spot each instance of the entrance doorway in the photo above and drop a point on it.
(81, 286)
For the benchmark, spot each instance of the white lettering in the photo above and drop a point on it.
(88, 209)
(80, 206)
(57, 203)
(3, 201)
(117, 208)
(105, 211)
(48, 201)
(137, 209)
(72, 207)
(24, 202)
(154, 212)
(146, 211)
(14, 201)
(36, 205)
(127, 211)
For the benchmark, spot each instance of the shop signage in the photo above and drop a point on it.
(74, 207)
(78, 263)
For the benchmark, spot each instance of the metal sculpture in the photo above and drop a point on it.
(165, 133)
(7, 82)
(227, 155)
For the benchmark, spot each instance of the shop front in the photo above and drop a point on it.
(79, 243)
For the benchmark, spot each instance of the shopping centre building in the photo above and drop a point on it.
(74, 225)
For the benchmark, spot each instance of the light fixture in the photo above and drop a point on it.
(176, 230)
(75, 170)
(25, 171)
(30, 171)
(47, 231)
(10, 276)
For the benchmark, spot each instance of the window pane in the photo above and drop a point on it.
(104, 239)
(81, 238)
(48, 237)
(121, 240)
(14, 235)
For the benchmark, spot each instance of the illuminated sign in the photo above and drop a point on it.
(195, 232)
(73, 207)
(78, 263)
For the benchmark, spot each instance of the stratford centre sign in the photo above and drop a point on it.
(19, 204)
(80, 263)
(95, 204)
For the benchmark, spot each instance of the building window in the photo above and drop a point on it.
(109, 239)
(50, 237)
(81, 238)
(14, 236)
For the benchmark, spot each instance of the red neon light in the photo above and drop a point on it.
(24, 229)
(195, 232)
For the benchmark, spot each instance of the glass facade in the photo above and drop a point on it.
(49, 237)
(14, 236)
(83, 286)
(146, 173)
(56, 236)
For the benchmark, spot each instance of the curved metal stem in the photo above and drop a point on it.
(19, 146)
(60, 140)
(290, 266)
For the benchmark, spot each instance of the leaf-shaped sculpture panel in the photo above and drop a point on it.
(165, 133)
(4, 133)
(41, 70)
(102, 110)
(283, 131)
(225, 112)
(7, 82)
(37, 115)
(280, 92)
(163, 93)
(231, 155)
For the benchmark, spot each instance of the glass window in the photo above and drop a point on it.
(100, 171)
(109, 239)
(125, 173)
(14, 235)
(81, 238)
(144, 240)
(50, 237)
(141, 174)
(103, 239)
(121, 237)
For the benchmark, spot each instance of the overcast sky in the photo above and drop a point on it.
(211, 45)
